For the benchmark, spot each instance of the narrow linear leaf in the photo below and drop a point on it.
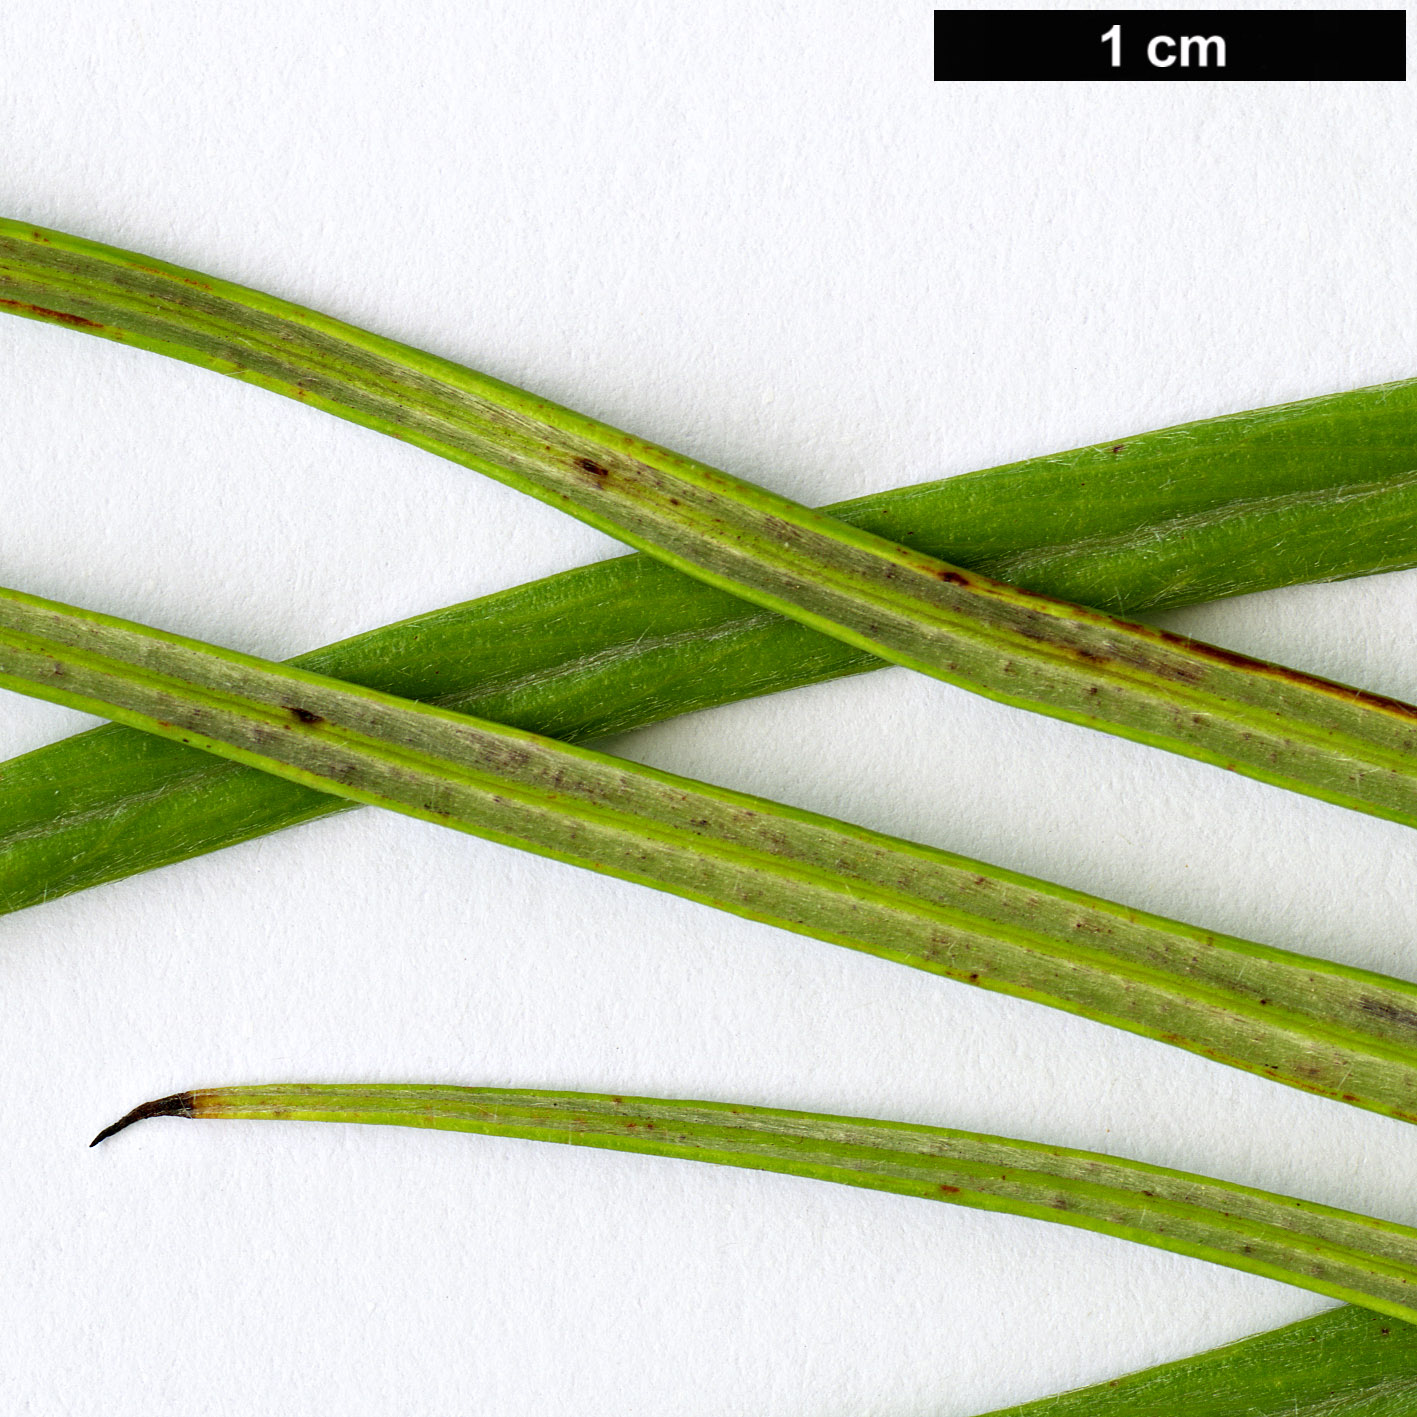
(1322, 1027)
(1176, 552)
(1348, 1362)
(968, 629)
(1315, 490)
(1334, 1252)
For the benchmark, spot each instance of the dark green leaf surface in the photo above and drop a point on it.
(1311, 491)
(1333, 1252)
(629, 642)
(1348, 1362)
(831, 575)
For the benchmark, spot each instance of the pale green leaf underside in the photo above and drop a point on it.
(1315, 490)
(1370, 1262)
(1319, 490)
(873, 594)
(1319, 1026)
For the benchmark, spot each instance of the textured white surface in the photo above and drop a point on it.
(759, 234)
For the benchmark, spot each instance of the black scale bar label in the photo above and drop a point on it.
(1171, 46)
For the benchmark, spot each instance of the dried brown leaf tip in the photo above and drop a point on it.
(179, 1104)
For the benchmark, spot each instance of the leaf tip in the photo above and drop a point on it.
(179, 1104)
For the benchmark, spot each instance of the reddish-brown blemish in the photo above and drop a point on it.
(952, 577)
(950, 1190)
(1217, 655)
(591, 467)
(303, 714)
(1023, 593)
(45, 313)
(174, 275)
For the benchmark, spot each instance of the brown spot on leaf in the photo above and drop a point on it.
(1217, 655)
(303, 714)
(949, 1190)
(591, 468)
(1388, 1011)
(64, 317)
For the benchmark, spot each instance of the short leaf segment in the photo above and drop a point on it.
(1348, 1362)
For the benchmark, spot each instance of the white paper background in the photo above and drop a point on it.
(760, 234)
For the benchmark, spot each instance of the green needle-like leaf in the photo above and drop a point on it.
(1322, 1027)
(1316, 490)
(906, 607)
(1348, 1362)
(1334, 1252)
